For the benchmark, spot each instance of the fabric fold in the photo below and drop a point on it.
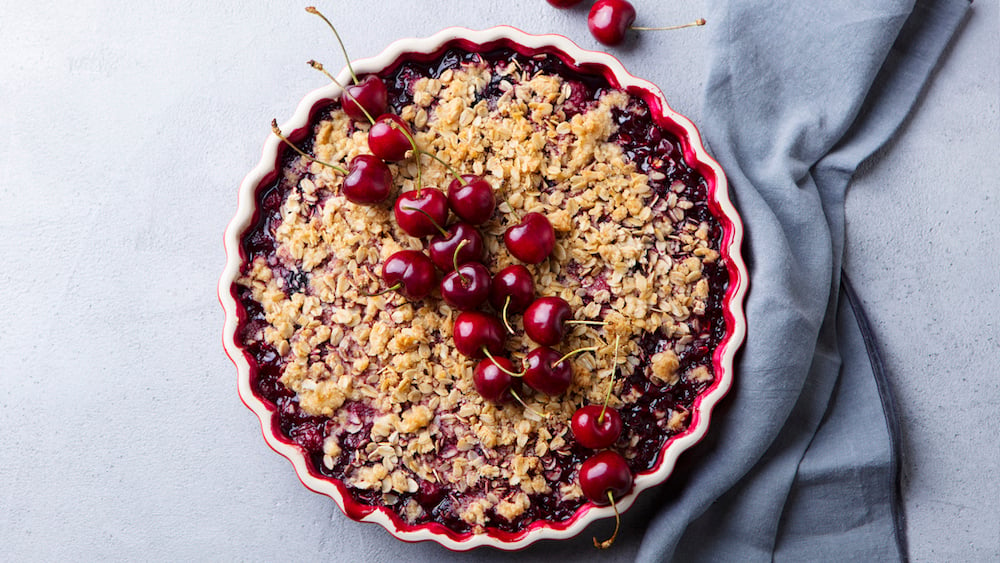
(800, 453)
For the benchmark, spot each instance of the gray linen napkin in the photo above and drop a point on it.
(801, 461)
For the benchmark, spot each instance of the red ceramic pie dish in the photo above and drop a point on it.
(673, 407)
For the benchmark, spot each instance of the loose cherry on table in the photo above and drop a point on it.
(467, 287)
(409, 272)
(365, 97)
(471, 198)
(564, 3)
(421, 212)
(604, 478)
(474, 332)
(532, 240)
(596, 426)
(609, 20)
(460, 243)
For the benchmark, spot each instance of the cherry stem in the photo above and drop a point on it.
(454, 260)
(416, 150)
(426, 214)
(695, 23)
(611, 384)
(446, 165)
(525, 405)
(574, 352)
(384, 291)
(618, 522)
(500, 367)
(503, 315)
(314, 11)
(277, 131)
(586, 322)
(319, 66)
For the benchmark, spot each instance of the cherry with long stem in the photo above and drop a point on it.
(367, 96)
(277, 131)
(367, 181)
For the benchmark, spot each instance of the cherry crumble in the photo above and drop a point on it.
(371, 386)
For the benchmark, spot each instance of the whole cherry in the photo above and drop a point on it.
(512, 290)
(471, 198)
(596, 426)
(545, 320)
(474, 332)
(421, 212)
(492, 379)
(546, 371)
(460, 243)
(466, 288)
(366, 97)
(532, 240)
(390, 137)
(605, 477)
(609, 20)
(605, 474)
(368, 180)
(410, 272)
(564, 3)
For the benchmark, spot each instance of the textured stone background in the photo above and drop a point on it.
(129, 127)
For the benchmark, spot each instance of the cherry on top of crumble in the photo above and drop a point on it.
(372, 386)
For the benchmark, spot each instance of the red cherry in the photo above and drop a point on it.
(493, 383)
(368, 180)
(596, 426)
(466, 288)
(514, 287)
(445, 251)
(473, 331)
(370, 94)
(545, 373)
(610, 19)
(603, 473)
(545, 320)
(531, 240)
(473, 200)
(564, 3)
(421, 212)
(411, 273)
(389, 137)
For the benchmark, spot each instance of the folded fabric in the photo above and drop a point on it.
(800, 463)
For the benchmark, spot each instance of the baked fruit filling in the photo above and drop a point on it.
(374, 382)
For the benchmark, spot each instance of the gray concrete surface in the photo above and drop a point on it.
(128, 128)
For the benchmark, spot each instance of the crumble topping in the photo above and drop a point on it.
(626, 254)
